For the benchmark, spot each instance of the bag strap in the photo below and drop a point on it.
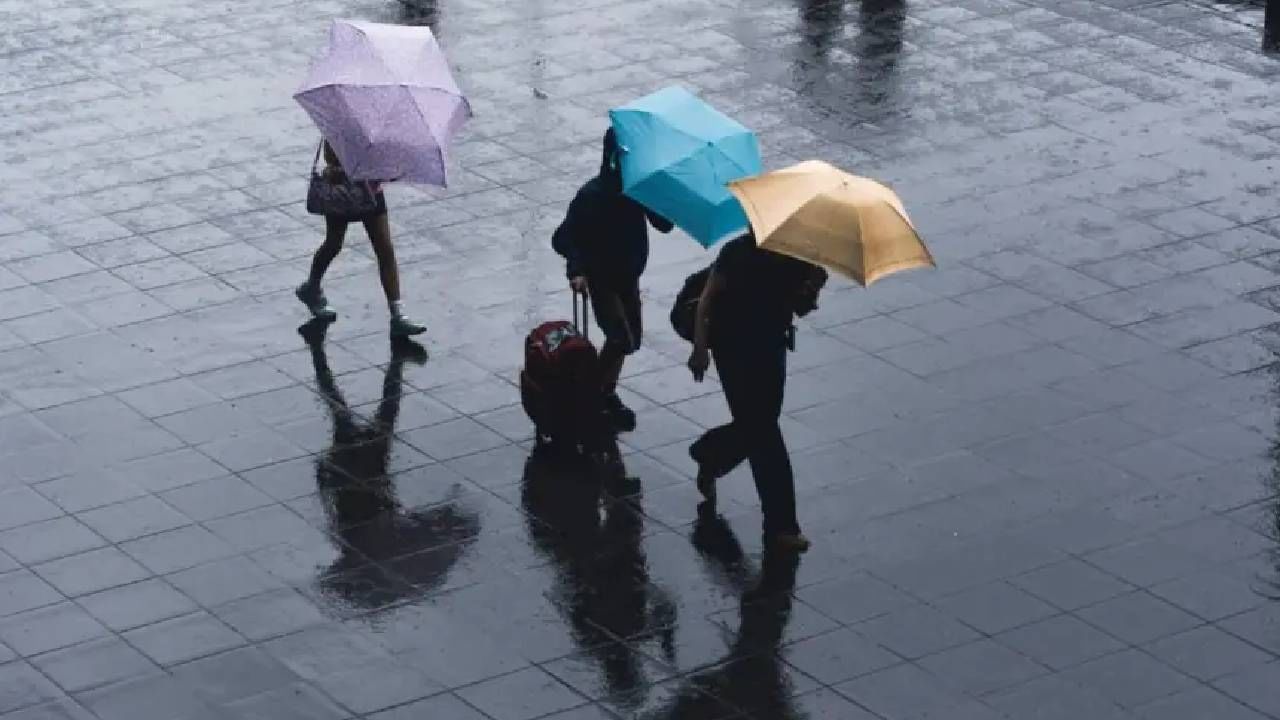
(315, 162)
(584, 326)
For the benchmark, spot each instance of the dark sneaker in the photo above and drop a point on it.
(624, 419)
(313, 330)
(706, 480)
(402, 348)
(313, 297)
(402, 327)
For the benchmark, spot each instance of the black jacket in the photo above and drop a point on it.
(604, 235)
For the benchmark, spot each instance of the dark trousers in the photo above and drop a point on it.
(753, 376)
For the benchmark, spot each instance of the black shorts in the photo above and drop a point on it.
(381, 209)
(617, 312)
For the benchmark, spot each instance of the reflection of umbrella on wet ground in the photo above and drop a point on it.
(602, 577)
(388, 553)
(385, 99)
(677, 154)
(823, 215)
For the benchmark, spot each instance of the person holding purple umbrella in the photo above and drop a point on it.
(385, 100)
(379, 231)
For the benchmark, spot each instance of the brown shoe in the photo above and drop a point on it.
(787, 542)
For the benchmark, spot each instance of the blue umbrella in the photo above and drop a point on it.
(678, 155)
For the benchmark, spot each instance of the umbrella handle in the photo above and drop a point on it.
(584, 326)
(315, 162)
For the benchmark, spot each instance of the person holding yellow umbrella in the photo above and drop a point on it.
(802, 218)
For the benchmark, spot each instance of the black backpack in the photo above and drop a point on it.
(684, 313)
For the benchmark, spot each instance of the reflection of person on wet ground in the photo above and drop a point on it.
(359, 497)
(420, 12)
(750, 678)
(602, 574)
(880, 45)
(820, 23)
(744, 319)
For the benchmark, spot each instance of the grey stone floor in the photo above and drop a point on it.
(1040, 480)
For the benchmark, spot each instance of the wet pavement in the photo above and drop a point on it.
(1040, 480)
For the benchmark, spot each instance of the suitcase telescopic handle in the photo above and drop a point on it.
(585, 322)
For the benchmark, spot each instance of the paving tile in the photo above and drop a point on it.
(917, 631)
(22, 590)
(169, 642)
(295, 702)
(153, 697)
(93, 664)
(1260, 626)
(982, 667)
(49, 628)
(85, 491)
(1198, 702)
(234, 675)
(1207, 653)
(1137, 617)
(132, 606)
(22, 686)
(454, 438)
(854, 598)
(837, 656)
(222, 581)
(1212, 594)
(270, 614)
(1071, 584)
(1129, 678)
(265, 526)
(378, 685)
(178, 549)
(63, 709)
(995, 607)
(439, 706)
(1253, 687)
(1060, 642)
(1146, 562)
(215, 497)
(91, 571)
(49, 540)
(133, 518)
(23, 506)
(1055, 698)
(907, 691)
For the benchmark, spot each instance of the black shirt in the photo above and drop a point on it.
(605, 234)
(758, 295)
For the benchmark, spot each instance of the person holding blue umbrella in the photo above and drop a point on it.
(604, 239)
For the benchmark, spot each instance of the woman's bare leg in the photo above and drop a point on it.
(380, 237)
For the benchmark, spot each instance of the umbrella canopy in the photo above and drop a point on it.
(677, 155)
(384, 98)
(821, 214)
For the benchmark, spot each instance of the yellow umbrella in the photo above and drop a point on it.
(823, 215)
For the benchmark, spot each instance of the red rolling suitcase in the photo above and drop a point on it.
(560, 383)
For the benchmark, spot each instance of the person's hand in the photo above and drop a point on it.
(699, 361)
(579, 284)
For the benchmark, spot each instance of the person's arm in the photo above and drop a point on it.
(565, 242)
(700, 358)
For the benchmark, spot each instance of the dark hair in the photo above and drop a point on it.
(609, 151)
